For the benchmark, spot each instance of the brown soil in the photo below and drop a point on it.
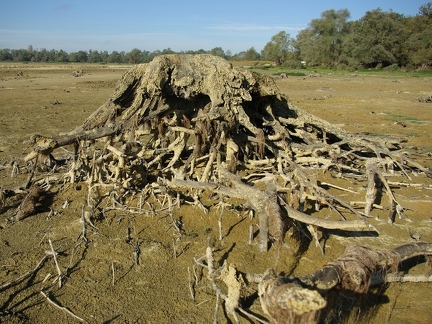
(105, 285)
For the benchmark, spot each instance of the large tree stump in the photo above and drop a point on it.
(195, 118)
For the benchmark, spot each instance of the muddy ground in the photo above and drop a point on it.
(105, 283)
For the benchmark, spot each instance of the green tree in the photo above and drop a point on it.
(217, 51)
(5, 54)
(251, 54)
(134, 56)
(322, 42)
(278, 49)
(379, 39)
(79, 57)
(426, 10)
(114, 57)
(94, 57)
(62, 56)
(419, 48)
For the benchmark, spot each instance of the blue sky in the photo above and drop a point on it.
(156, 25)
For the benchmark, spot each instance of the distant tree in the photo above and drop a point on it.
(94, 57)
(379, 38)
(78, 57)
(419, 48)
(61, 56)
(308, 47)
(41, 55)
(217, 51)
(167, 51)
(134, 56)
(5, 54)
(114, 57)
(322, 42)
(228, 55)
(426, 10)
(251, 54)
(20, 55)
(419, 44)
(278, 48)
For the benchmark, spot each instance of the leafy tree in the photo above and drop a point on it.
(134, 56)
(79, 57)
(251, 54)
(322, 42)
(114, 57)
(419, 48)
(426, 10)
(278, 48)
(307, 47)
(94, 57)
(21, 55)
(379, 38)
(217, 51)
(5, 54)
(62, 56)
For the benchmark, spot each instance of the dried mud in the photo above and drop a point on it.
(104, 284)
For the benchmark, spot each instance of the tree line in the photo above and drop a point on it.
(378, 39)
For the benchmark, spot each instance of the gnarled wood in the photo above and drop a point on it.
(194, 117)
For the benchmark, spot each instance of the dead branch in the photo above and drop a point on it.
(20, 279)
(62, 308)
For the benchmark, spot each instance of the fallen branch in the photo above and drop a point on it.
(20, 279)
(351, 272)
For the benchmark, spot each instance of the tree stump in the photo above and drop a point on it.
(197, 119)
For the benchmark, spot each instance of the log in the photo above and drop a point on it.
(301, 300)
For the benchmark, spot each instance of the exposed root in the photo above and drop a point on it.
(196, 119)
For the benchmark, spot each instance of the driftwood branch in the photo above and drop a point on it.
(353, 272)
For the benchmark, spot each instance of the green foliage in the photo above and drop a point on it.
(323, 41)
(278, 49)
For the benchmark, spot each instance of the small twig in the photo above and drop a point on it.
(203, 302)
(54, 254)
(195, 275)
(113, 272)
(191, 285)
(336, 187)
(174, 249)
(220, 226)
(84, 225)
(209, 257)
(200, 263)
(63, 308)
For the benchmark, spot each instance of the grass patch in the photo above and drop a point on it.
(404, 118)
(268, 67)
